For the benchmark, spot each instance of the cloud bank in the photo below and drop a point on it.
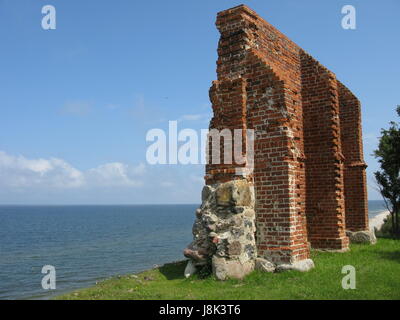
(55, 181)
(20, 172)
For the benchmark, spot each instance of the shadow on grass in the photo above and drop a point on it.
(385, 236)
(174, 270)
(390, 255)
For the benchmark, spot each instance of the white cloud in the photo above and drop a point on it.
(115, 174)
(26, 180)
(21, 172)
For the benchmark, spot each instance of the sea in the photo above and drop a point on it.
(89, 243)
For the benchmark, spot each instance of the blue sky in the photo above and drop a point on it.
(76, 102)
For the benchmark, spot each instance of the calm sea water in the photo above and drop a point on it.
(86, 243)
(89, 243)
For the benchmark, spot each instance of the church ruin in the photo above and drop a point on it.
(308, 186)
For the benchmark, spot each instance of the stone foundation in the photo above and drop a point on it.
(224, 229)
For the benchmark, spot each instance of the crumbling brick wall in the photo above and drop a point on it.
(309, 174)
(308, 186)
(355, 181)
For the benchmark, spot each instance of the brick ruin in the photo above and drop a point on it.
(308, 186)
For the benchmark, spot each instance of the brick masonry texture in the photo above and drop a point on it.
(309, 172)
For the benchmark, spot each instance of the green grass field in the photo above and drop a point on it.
(377, 277)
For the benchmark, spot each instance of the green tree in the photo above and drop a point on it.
(388, 178)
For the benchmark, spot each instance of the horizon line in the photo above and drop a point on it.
(102, 204)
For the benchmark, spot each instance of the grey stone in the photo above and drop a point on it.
(237, 193)
(198, 213)
(195, 254)
(238, 209)
(249, 249)
(302, 265)
(234, 248)
(223, 232)
(213, 235)
(224, 194)
(242, 193)
(224, 269)
(362, 236)
(237, 232)
(206, 193)
(264, 265)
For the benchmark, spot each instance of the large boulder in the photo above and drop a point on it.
(361, 236)
(224, 269)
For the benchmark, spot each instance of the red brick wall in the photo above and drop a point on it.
(269, 84)
(228, 99)
(325, 204)
(354, 169)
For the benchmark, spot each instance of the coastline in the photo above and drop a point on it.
(179, 214)
(374, 223)
(167, 282)
(377, 221)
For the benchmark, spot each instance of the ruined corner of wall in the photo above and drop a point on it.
(224, 229)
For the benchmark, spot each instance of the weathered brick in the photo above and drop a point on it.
(309, 174)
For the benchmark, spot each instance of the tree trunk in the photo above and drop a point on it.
(396, 213)
(392, 213)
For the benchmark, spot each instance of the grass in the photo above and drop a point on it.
(377, 277)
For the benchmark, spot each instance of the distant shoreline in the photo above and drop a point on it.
(377, 221)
